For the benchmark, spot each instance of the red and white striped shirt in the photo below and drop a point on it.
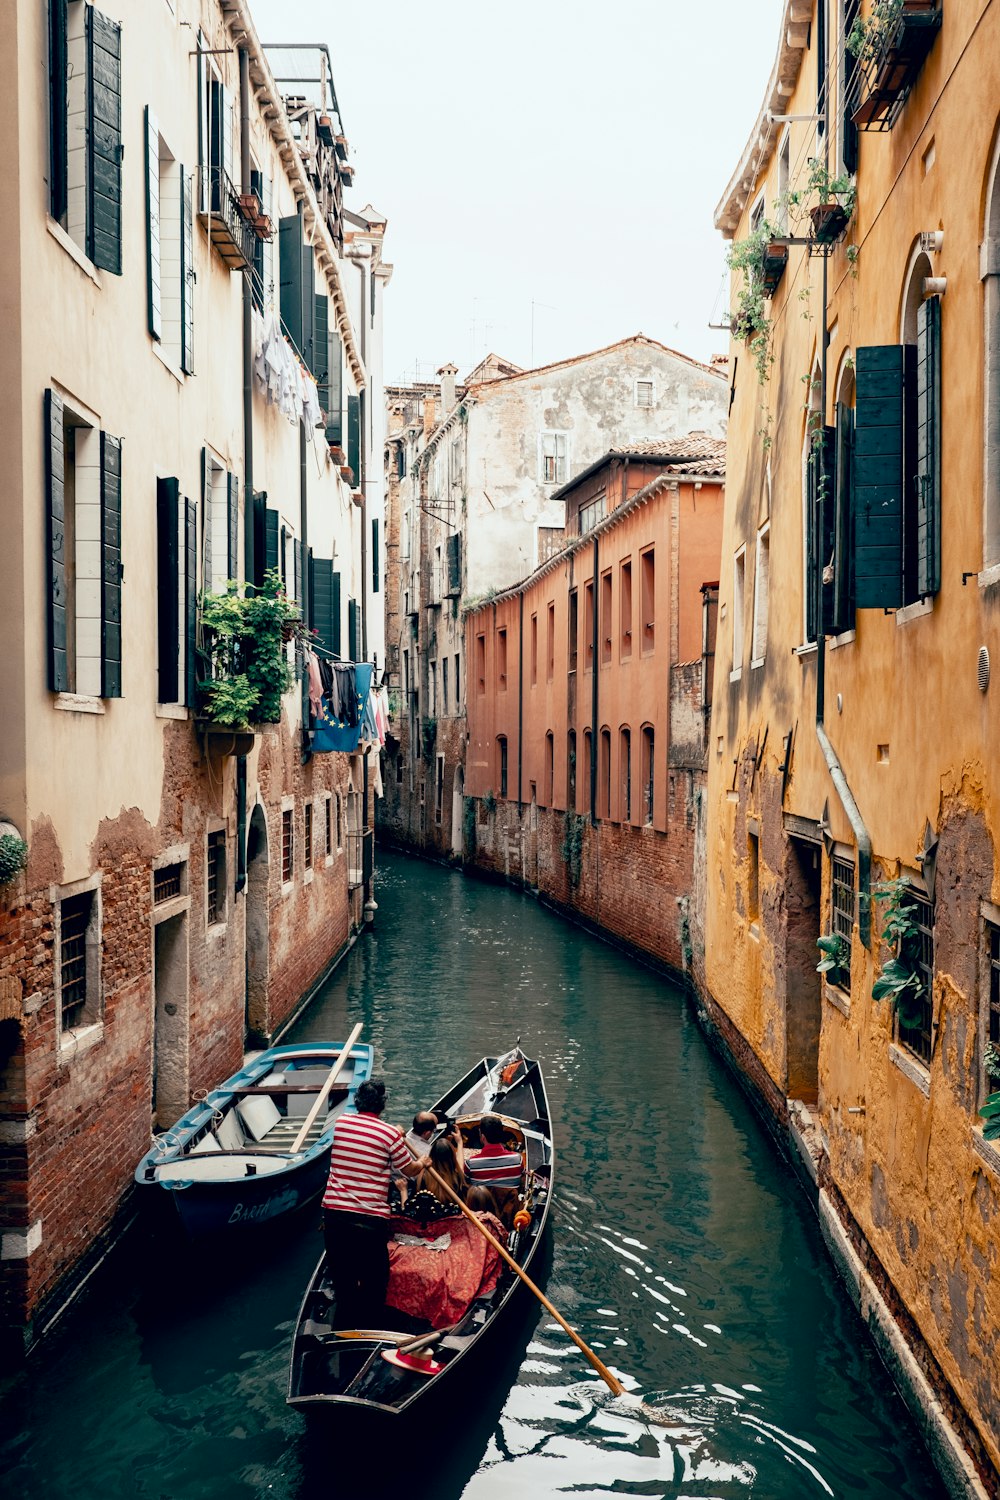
(365, 1150)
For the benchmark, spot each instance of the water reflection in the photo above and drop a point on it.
(682, 1251)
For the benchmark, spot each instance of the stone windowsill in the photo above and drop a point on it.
(78, 703)
(172, 711)
(72, 249)
(307, 878)
(914, 611)
(836, 641)
(754, 931)
(838, 998)
(910, 1068)
(808, 648)
(175, 907)
(216, 931)
(987, 1150)
(989, 577)
(736, 674)
(72, 1043)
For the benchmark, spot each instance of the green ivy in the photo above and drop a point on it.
(246, 636)
(13, 857)
(430, 735)
(571, 850)
(836, 959)
(901, 979)
(490, 803)
(468, 826)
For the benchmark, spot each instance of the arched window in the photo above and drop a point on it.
(588, 761)
(501, 765)
(990, 273)
(625, 772)
(604, 775)
(550, 757)
(648, 772)
(571, 771)
(811, 545)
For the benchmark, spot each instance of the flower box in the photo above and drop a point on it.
(249, 206)
(890, 65)
(263, 227)
(829, 221)
(224, 739)
(347, 473)
(773, 266)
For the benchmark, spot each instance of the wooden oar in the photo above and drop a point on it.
(611, 1381)
(324, 1091)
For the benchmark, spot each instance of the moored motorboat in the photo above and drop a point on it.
(335, 1369)
(236, 1160)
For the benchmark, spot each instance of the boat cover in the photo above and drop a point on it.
(437, 1270)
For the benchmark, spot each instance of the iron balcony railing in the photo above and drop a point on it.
(231, 234)
(360, 858)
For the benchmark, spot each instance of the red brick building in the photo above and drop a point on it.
(586, 701)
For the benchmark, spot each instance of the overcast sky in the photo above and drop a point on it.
(568, 155)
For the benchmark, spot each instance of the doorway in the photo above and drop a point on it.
(457, 812)
(170, 1020)
(803, 985)
(258, 928)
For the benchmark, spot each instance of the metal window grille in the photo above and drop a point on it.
(917, 1039)
(626, 778)
(329, 825)
(308, 825)
(74, 919)
(216, 875)
(650, 767)
(843, 902)
(166, 883)
(993, 1024)
(287, 847)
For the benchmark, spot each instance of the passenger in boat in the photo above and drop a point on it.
(430, 1200)
(366, 1151)
(495, 1166)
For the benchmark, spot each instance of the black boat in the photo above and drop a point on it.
(368, 1371)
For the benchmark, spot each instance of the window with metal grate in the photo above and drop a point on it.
(74, 918)
(842, 894)
(166, 883)
(287, 846)
(215, 877)
(917, 1039)
(307, 823)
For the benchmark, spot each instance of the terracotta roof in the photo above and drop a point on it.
(695, 453)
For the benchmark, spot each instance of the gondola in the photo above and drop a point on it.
(367, 1372)
(228, 1163)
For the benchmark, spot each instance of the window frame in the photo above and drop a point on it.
(91, 1025)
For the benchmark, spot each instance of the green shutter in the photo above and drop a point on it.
(812, 549)
(353, 630)
(843, 522)
(826, 456)
(154, 316)
(104, 141)
(454, 561)
(335, 615)
(321, 588)
(190, 603)
(376, 560)
(321, 362)
(928, 457)
(58, 111)
(202, 127)
(111, 566)
(257, 273)
(187, 275)
(232, 526)
(297, 571)
(271, 554)
(55, 543)
(354, 437)
(335, 413)
(290, 263)
(879, 455)
(167, 590)
(283, 562)
(308, 347)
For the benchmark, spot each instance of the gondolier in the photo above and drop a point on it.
(366, 1153)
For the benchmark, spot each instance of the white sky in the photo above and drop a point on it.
(569, 155)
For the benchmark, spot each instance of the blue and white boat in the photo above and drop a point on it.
(228, 1163)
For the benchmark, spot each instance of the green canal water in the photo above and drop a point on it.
(682, 1249)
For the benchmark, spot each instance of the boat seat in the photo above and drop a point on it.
(258, 1114)
(281, 1136)
(215, 1168)
(229, 1132)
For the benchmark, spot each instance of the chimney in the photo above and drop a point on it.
(447, 374)
(429, 418)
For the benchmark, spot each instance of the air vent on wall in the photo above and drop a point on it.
(983, 669)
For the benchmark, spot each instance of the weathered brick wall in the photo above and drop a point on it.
(406, 818)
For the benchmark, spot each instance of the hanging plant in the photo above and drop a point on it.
(749, 320)
(245, 640)
(901, 978)
(836, 960)
(13, 857)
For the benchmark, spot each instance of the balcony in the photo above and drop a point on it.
(229, 230)
(899, 35)
(360, 858)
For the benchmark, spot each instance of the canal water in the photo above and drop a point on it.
(682, 1250)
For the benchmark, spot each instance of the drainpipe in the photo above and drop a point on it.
(249, 504)
(847, 800)
(304, 525)
(593, 696)
(520, 699)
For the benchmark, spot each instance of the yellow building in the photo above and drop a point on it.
(191, 381)
(854, 712)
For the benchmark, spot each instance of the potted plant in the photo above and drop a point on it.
(250, 206)
(901, 978)
(836, 960)
(247, 671)
(890, 46)
(749, 320)
(834, 206)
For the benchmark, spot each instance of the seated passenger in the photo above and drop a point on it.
(494, 1164)
(431, 1200)
(483, 1202)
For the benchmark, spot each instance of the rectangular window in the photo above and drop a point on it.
(739, 586)
(481, 663)
(439, 789)
(647, 563)
(220, 509)
(550, 642)
(842, 922)
(625, 610)
(169, 250)
(571, 771)
(753, 876)
(550, 769)
(85, 134)
(215, 877)
(758, 648)
(644, 395)
(287, 846)
(991, 1072)
(588, 626)
(458, 682)
(83, 537)
(434, 689)
(604, 775)
(593, 511)
(167, 883)
(444, 684)
(340, 839)
(553, 450)
(502, 767)
(376, 559)
(534, 650)
(625, 769)
(606, 625)
(79, 961)
(648, 771)
(573, 628)
(916, 1038)
(307, 829)
(328, 812)
(501, 661)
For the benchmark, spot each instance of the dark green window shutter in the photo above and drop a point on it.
(190, 603)
(335, 384)
(928, 457)
(167, 590)
(354, 437)
(353, 630)
(283, 561)
(55, 539)
(271, 556)
(104, 141)
(454, 562)
(321, 359)
(292, 261)
(376, 560)
(879, 454)
(335, 614)
(321, 588)
(232, 526)
(58, 120)
(843, 523)
(187, 275)
(308, 347)
(153, 313)
(297, 570)
(852, 93)
(257, 273)
(111, 566)
(812, 545)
